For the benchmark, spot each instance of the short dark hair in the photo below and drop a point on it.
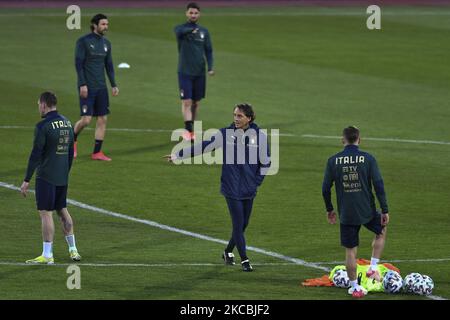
(193, 5)
(96, 19)
(247, 109)
(49, 98)
(351, 134)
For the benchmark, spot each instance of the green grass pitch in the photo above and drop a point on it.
(307, 71)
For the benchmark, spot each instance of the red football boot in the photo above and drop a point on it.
(358, 294)
(100, 156)
(188, 136)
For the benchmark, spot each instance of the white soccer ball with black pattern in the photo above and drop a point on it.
(423, 286)
(341, 279)
(409, 281)
(392, 282)
(429, 284)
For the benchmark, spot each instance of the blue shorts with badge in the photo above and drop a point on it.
(350, 233)
(192, 87)
(50, 197)
(96, 103)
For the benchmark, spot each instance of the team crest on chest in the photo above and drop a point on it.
(106, 48)
(202, 35)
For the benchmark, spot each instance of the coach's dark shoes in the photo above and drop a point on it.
(228, 257)
(246, 266)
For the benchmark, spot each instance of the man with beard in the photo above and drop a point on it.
(92, 58)
(194, 45)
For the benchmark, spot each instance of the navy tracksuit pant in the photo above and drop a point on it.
(240, 211)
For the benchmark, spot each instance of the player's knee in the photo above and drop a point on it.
(101, 120)
(382, 235)
(86, 120)
(187, 103)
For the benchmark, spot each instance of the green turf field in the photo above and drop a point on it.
(307, 71)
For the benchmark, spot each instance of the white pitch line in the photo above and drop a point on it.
(433, 297)
(379, 139)
(138, 265)
(202, 264)
(311, 136)
(192, 234)
(388, 261)
(177, 230)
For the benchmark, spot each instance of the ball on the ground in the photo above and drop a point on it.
(392, 282)
(341, 279)
(418, 284)
(409, 281)
(424, 286)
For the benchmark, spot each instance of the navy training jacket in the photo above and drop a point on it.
(241, 176)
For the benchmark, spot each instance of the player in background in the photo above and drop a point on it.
(92, 58)
(354, 172)
(52, 155)
(194, 45)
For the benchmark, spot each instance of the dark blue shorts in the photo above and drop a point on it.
(96, 104)
(50, 197)
(192, 87)
(350, 233)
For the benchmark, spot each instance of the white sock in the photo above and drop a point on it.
(373, 263)
(70, 239)
(354, 284)
(47, 250)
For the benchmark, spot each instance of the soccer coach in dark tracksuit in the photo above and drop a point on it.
(355, 172)
(242, 174)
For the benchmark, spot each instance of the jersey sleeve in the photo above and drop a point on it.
(214, 143)
(378, 185)
(80, 58)
(264, 158)
(327, 184)
(36, 153)
(71, 149)
(209, 52)
(182, 30)
(109, 66)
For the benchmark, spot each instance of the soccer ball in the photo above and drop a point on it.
(429, 284)
(418, 284)
(410, 280)
(424, 286)
(419, 287)
(392, 282)
(341, 279)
